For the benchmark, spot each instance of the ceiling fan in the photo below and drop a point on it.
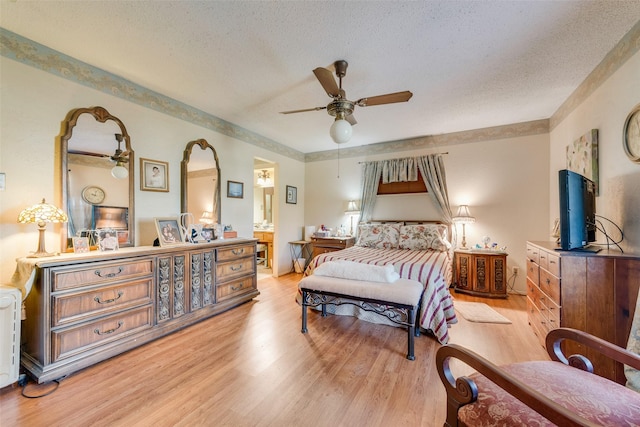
(341, 108)
(120, 157)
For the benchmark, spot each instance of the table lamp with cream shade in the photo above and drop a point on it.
(463, 217)
(352, 211)
(41, 214)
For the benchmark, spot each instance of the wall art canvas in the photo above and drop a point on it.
(582, 156)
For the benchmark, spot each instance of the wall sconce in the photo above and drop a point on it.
(352, 211)
(119, 171)
(463, 217)
(264, 180)
(41, 214)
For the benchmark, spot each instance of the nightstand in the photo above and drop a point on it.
(322, 245)
(481, 273)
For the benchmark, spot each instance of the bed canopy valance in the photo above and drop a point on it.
(431, 167)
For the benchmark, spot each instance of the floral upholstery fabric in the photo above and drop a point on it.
(379, 236)
(594, 398)
(423, 237)
(633, 345)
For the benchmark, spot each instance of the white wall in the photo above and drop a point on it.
(33, 103)
(505, 183)
(606, 110)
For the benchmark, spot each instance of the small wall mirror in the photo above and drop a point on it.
(200, 182)
(96, 176)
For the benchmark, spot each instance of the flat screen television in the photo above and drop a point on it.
(577, 212)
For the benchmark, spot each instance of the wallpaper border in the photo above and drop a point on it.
(28, 52)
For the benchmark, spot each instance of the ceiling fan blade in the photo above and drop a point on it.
(302, 111)
(389, 98)
(351, 119)
(325, 77)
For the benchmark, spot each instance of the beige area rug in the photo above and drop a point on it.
(479, 312)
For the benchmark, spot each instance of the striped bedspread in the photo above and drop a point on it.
(431, 268)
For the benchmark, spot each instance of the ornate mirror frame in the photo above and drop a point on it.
(184, 172)
(101, 115)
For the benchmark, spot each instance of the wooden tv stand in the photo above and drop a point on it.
(85, 308)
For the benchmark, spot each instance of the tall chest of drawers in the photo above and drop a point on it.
(84, 308)
(592, 292)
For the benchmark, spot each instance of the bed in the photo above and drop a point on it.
(417, 251)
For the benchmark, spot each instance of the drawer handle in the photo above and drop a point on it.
(110, 331)
(107, 301)
(237, 251)
(99, 273)
(237, 288)
(236, 267)
(551, 261)
(548, 281)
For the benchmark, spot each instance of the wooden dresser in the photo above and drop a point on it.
(84, 308)
(595, 293)
(481, 273)
(322, 245)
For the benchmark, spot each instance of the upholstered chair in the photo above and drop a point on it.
(563, 391)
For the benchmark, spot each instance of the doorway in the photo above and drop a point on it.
(264, 216)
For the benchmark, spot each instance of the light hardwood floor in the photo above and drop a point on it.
(251, 366)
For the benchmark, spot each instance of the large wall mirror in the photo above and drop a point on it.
(97, 176)
(200, 182)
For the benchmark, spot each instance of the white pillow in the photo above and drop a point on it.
(357, 271)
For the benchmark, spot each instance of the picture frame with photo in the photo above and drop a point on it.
(169, 231)
(292, 195)
(194, 233)
(154, 175)
(235, 189)
(80, 245)
(108, 240)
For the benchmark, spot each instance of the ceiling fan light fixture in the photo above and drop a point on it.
(119, 171)
(340, 131)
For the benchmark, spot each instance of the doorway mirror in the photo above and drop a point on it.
(96, 176)
(200, 182)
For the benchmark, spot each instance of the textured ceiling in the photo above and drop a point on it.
(469, 64)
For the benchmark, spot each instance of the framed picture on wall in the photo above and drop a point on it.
(235, 189)
(292, 195)
(154, 175)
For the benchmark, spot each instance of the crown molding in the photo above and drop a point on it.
(30, 53)
(625, 49)
(536, 127)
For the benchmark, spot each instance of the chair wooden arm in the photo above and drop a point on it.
(463, 390)
(556, 336)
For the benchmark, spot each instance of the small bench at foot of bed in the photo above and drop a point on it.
(398, 301)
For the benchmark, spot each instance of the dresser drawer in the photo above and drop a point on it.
(83, 305)
(553, 315)
(535, 320)
(533, 254)
(230, 270)
(534, 294)
(533, 271)
(554, 264)
(236, 252)
(550, 285)
(237, 287)
(77, 339)
(99, 272)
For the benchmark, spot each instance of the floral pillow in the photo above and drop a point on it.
(379, 236)
(423, 237)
